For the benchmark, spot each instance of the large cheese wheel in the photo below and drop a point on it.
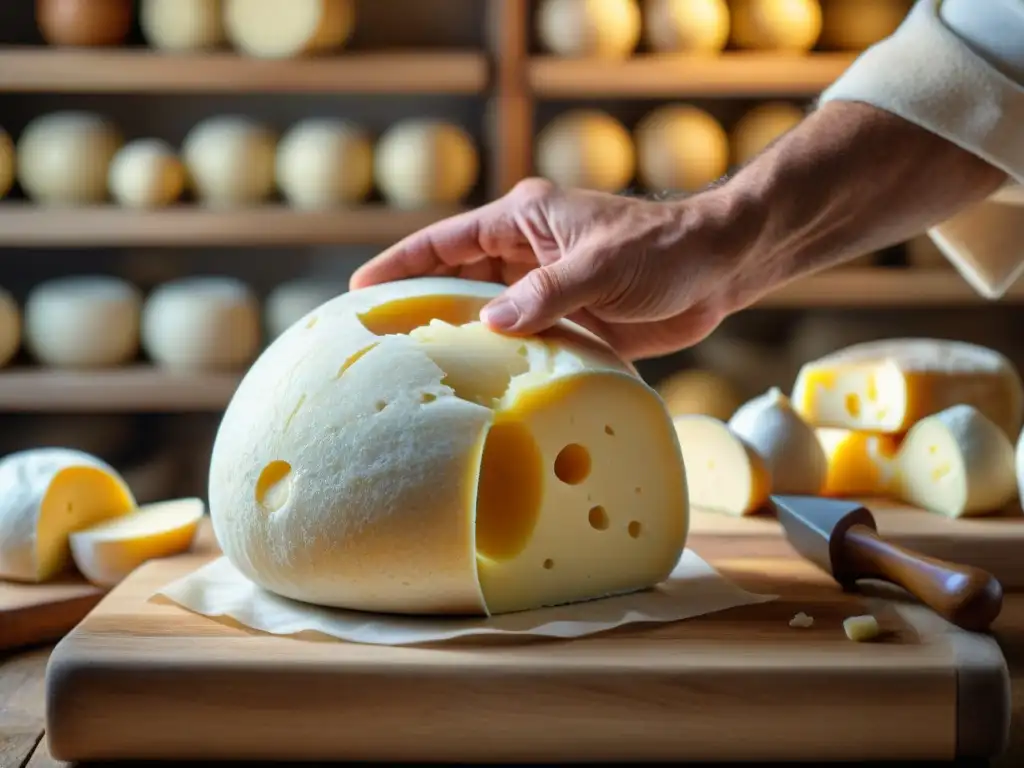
(84, 22)
(7, 163)
(292, 300)
(182, 25)
(230, 161)
(853, 25)
(390, 453)
(680, 149)
(146, 173)
(778, 25)
(201, 323)
(45, 496)
(760, 126)
(423, 162)
(278, 29)
(324, 162)
(686, 26)
(64, 157)
(588, 149)
(607, 29)
(10, 327)
(83, 321)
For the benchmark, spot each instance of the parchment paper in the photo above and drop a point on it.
(219, 590)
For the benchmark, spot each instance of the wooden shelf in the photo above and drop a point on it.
(26, 225)
(59, 70)
(737, 75)
(132, 389)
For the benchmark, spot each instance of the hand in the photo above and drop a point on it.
(648, 277)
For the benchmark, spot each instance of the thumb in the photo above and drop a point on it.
(545, 295)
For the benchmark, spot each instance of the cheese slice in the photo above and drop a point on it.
(859, 463)
(888, 386)
(108, 552)
(46, 494)
(723, 472)
(390, 453)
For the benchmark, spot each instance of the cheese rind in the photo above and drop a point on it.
(107, 552)
(390, 453)
(48, 494)
(888, 386)
(859, 463)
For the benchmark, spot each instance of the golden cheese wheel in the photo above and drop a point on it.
(686, 26)
(853, 25)
(586, 149)
(760, 126)
(697, 391)
(680, 149)
(776, 25)
(605, 29)
(84, 22)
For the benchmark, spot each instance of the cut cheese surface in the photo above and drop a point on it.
(888, 386)
(723, 472)
(107, 552)
(390, 453)
(48, 494)
(859, 463)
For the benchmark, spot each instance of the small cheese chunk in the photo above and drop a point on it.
(888, 386)
(10, 327)
(862, 629)
(602, 29)
(802, 621)
(393, 454)
(107, 552)
(230, 161)
(860, 463)
(146, 173)
(279, 29)
(46, 495)
(723, 472)
(958, 463)
(182, 25)
(787, 444)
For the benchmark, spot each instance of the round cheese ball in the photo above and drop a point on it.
(230, 161)
(323, 163)
(680, 149)
(146, 173)
(853, 25)
(84, 22)
(7, 163)
(587, 149)
(393, 454)
(760, 126)
(10, 327)
(776, 25)
(278, 29)
(686, 26)
(201, 323)
(64, 157)
(606, 29)
(423, 162)
(292, 300)
(83, 321)
(182, 25)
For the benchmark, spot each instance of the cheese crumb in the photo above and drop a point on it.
(801, 621)
(862, 629)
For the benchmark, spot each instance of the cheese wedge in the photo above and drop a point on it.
(787, 444)
(723, 472)
(888, 386)
(108, 552)
(859, 463)
(390, 453)
(46, 494)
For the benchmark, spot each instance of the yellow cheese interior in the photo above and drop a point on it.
(859, 463)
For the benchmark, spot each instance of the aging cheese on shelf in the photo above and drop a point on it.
(586, 148)
(146, 173)
(697, 391)
(777, 25)
(7, 163)
(278, 29)
(46, 495)
(390, 453)
(422, 162)
(230, 161)
(686, 26)
(10, 327)
(853, 25)
(182, 25)
(603, 29)
(860, 463)
(107, 552)
(759, 127)
(887, 386)
(323, 163)
(723, 472)
(680, 148)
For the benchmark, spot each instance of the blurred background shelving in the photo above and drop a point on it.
(505, 75)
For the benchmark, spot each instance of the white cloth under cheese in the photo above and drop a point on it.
(956, 68)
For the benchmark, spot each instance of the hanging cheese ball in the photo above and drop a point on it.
(853, 25)
(292, 300)
(686, 26)
(201, 323)
(588, 149)
(390, 453)
(760, 126)
(423, 162)
(10, 327)
(230, 161)
(776, 25)
(680, 149)
(322, 163)
(7, 163)
(182, 25)
(83, 322)
(64, 157)
(84, 22)
(280, 29)
(146, 173)
(604, 29)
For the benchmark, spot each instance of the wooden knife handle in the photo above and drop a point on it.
(964, 595)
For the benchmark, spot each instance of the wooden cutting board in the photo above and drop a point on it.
(145, 680)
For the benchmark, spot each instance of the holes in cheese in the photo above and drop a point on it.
(723, 472)
(893, 384)
(108, 552)
(49, 493)
(451, 469)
